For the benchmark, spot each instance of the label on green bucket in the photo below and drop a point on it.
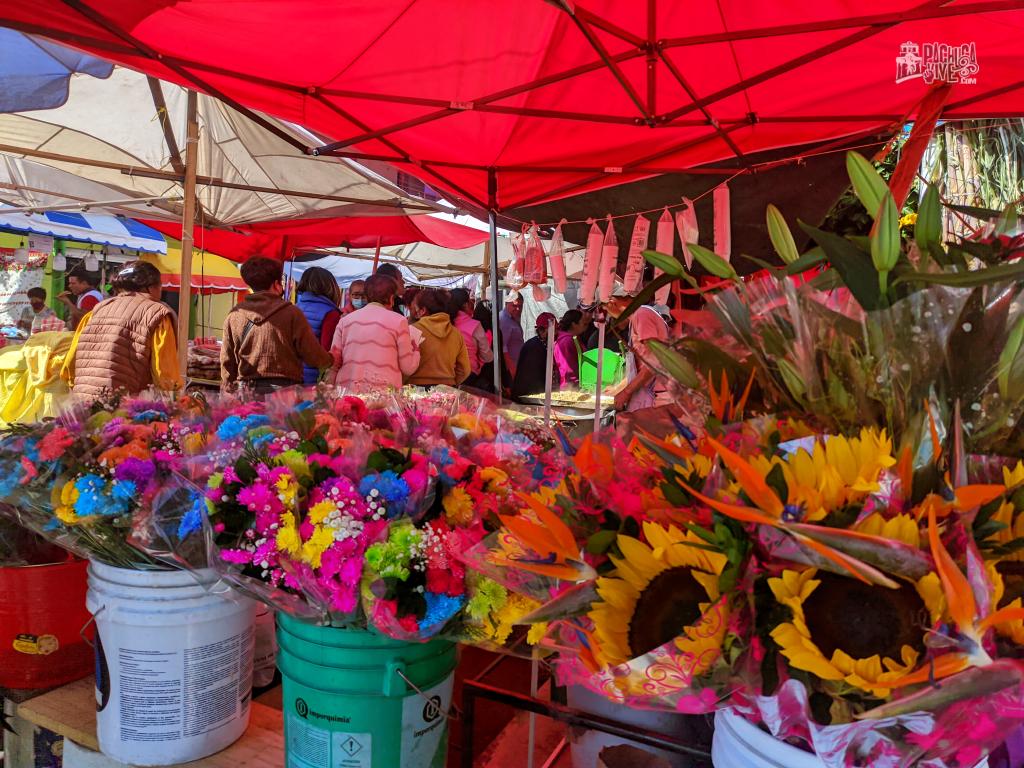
(312, 747)
(423, 724)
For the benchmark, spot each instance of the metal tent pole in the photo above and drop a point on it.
(187, 224)
(601, 321)
(492, 220)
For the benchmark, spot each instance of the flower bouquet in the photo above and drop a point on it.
(351, 511)
(86, 480)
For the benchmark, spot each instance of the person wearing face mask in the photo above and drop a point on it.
(372, 347)
(266, 338)
(37, 317)
(356, 297)
(319, 297)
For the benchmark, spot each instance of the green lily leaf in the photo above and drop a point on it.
(677, 366)
(668, 264)
(978, 277)
(853, 265)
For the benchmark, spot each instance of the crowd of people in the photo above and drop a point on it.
(377, 334)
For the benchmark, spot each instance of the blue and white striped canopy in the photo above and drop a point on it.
(97, 228)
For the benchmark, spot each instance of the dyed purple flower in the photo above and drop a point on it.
(138, 471)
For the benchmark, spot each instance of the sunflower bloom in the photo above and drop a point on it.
(659, 592)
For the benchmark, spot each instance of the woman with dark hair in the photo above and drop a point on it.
(472, 331)
(128, 343)
(482, 314)
(443, 355)
(567, 347)
(319, 299)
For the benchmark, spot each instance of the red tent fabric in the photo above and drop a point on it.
(511, 103)
(279, 239)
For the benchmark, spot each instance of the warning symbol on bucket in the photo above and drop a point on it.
(351, 747)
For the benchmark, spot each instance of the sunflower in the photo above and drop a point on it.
(659, 592)
(837, 471)
(842, 629)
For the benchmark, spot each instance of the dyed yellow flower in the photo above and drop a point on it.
(458, 507)
(658, 592)
(319, 511)
(494, 479)
(907, 219)
(287, 490)
(314, 547)
(1011, 629)
(288, 539)
(477, 427)
(500, 623)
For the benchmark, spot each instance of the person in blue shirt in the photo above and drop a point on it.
(319, 299)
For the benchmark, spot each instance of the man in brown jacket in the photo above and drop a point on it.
(267, 339)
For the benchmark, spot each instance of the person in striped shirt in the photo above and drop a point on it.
(372, 346)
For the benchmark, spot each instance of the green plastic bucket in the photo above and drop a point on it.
(350, 698)
(613, 368)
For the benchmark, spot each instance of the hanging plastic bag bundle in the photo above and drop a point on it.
(592, 265)
(535, 271)
(609, 261)
(557, 256)
(635, 261)
(689, 232)
(514, 274)
(665, 243)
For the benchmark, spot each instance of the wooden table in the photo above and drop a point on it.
(70, 711)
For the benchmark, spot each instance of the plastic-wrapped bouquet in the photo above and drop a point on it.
(352, 510)
(86, 479)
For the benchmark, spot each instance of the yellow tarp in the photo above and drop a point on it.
(30, 384)
(210, 273)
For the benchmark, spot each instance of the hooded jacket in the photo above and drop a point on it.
(443, 355)
(266, 337)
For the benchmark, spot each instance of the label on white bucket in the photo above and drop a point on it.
(312, 747)
(171, 693)
(423, 723)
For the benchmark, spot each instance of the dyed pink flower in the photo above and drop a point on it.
(237, 556)
(53, 445)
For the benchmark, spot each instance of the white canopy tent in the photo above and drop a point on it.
(124, 137)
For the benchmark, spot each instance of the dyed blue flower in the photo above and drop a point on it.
(124, 491)
(192, 520)
(9, 480)
(144, 417)
(440, 608)
(389, 487)
(442, 458)
(230, 428)
(305, 405)
(31, 449)
(256, 420)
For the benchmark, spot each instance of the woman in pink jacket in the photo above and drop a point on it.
(479, 348)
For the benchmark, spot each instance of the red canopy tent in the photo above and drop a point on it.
(280, 239)
(512, 102)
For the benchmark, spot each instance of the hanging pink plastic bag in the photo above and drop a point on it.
(723, 222)
(592, 265)
(514, 274)
(535, 270)
(635, 261)
(557, 256)
(666, 243)
(609, 261)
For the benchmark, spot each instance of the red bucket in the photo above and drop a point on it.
(42, 612)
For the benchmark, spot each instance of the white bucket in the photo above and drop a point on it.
(173, 664)
(587, 744)
(738, 743)
(265, 661)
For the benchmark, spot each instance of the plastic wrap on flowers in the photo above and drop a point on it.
(85, 480)
(346, 511)
(958, 736)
